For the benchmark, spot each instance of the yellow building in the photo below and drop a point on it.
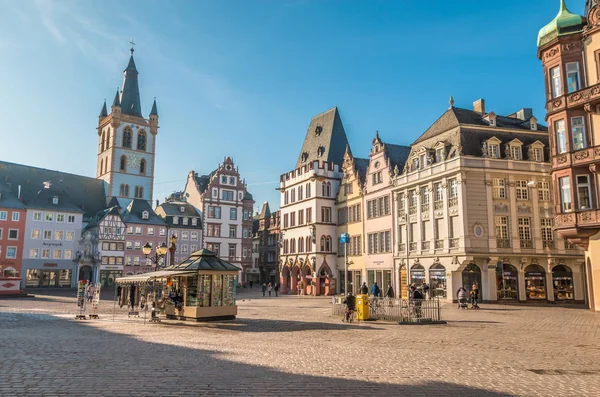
(350, 220)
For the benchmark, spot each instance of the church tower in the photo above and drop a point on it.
(127, 142)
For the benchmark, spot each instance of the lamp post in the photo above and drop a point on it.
(345, 239)
(172, 248)
(158, 254)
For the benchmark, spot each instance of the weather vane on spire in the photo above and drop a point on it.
(132, 45)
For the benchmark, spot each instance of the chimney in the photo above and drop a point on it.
(479, 106)
(19, 192)
(157, 203)
(525, 114)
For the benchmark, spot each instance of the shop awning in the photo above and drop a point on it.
(152, 276)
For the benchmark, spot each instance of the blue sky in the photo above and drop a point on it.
(243, 78)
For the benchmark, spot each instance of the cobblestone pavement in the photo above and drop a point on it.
(293, 346)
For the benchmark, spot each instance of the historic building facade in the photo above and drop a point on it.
(349, 206)
(569, 48)
(501, 239)
(226, 208)
(385, 162)
(308, 210)
(127, 143)
(12, 233)
(265, 246)
(184, 222)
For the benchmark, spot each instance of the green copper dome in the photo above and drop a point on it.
(564, 23)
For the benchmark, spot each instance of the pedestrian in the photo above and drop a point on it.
(90, 292)
(276, 289)
(390, 291)
(417, 298)
(364, 289)
(375, 289)
(250, 284)
(264, 288)
(300, 288)
(474, 296)
(426, 292)
(270, 288)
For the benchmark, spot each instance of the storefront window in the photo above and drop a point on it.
(507, 282)
(229, 290)
(64, 278)
(33, 278)
(562, 280)
(417, 275)
(472, 276)
(108, 277)
(535, 282)
(192, 292)
(217, 290)
(437, 281)
(204, 293)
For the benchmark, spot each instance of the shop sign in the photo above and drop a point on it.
(308, 277)
(50, 264)
(52, 244)
(111, 267)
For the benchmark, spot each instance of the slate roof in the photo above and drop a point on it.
(397, 154)
(86, 193)
(472, 141)
(173, 209)
(130, 92)
(248, 196)
(265, 211)
(455, 117)
(204, 260)
(44, 200)
(133, 213)
(325, 132)
(203, 181)
(112, 210)
(8, 198)
(361, 168)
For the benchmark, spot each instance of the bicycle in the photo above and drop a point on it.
(349, 315)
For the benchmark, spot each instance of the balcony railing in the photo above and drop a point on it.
(503, 243)
(579, 218)
(412, 210)
(453, 243)
(525, 243)
(452, 201)
(402, 247)
(425, 207)
(425, 245)
(412, 246)
(439, 244)
(438, 205)
(548, 244)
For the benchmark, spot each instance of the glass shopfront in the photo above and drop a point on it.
(383, 278)
(562, 281)
(507, 282)
(108, 277)
(48, 278)
(437, 281)
(535, 282)
(210, 290)
(472, 275)
(417, 275)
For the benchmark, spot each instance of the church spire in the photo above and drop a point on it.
(103, 112)
(130, 92)
(154, 112)
(117, 100)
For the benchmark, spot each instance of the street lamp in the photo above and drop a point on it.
(160, 252)
(173, 248)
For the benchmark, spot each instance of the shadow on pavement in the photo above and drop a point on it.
(107, 364)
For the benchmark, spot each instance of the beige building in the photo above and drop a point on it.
(474, 206)
(350, 220)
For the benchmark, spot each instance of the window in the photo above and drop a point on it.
(300, 217)
(139, 192)
(122, 163)
(49, 216)
(538, 154)
(515, 152)
(308, 215)
(494, 151)
(301, 244)
(293, 246)
(136, 261)
(45, 253)
(129, 245)
(377, 178)
(124, 190)
(325, 244)
(501, 227)
(246, 216)
(565, 194)
(175, 220)
(293, 195)
(499, 188)
(379, 207)
(555, 78)
(35, 234)
(15, 216)
(347, 189)
(233, 213)
(57, 254)
(138, 230)
(213, 230)
(326, 189)
(546, 227)
(69, 236)
(47, 234)
(578, 133)
(58, 235)
(184, 249)
(195, 221)
(232, 231)
(13, 234)
(68, 254)
(246, 233)
(438, 190)
(544, 191)
(141, 140)
(415, 164)
(150, 231)
(379, 242)
(162, 232)
(573, 81)
(71, 219)
(355, 246)
(342, 216)
(522, 191)
(422, 160)
(127, 137)
(227, 195)
(584, 194)
(292, 219)
(214, 212)
(453, 188)
(232, 180)
(37, 216)
(193, 248)
(286, 222)
(55, 200)
(354, 214)
(143, 167)
(326, 214)
(185, 221)
(60, 218)
(223, 179)
(34, 253)
(561, 136)
(138, 245)
(11, 252)
(439, 155)
(232, 250)
(286, 198)
(308, 190)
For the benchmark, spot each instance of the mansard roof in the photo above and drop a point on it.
(325, 139)
(9, 199)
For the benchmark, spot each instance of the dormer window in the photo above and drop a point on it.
(494, 151)
(422, 160)
(185, 221)
(491, 119)
(145, 215)
(318, 130)
(538, 154)
(182, 209)
(55, 200)
(175, 220)
(491, 148)
(515, 152)
(533, 124)
(415, 164)
(194, 221)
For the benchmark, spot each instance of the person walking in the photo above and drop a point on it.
(426, 292)
(364, 289)
(276, 289)
(474, 296)
(90, 292)
(375, 289)
(264, 288)
(270, 288)
(250, 284)
(390, 291)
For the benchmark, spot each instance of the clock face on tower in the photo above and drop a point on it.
(133, 160)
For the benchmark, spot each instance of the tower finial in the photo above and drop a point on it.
(132, 42)
(563, 5)
(451, 102)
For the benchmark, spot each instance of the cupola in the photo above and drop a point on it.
(564, 23)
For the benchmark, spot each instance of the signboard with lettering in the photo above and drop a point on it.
(344, 238)
(50, 264)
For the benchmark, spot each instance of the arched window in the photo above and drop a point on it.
(299, 192)
(127, 137)
(124, 190)
(141, 140)
(323, 243)
(308, 190)
(328, 190)
(143, 167)
(293, 195)
(286, 199)
(301, 244)
(122, 163)
(101, 167)
(106, 166)
(323, 189)
(328, 244)
(107, 138)
(103, 143)
(293, 246)
(285, 246)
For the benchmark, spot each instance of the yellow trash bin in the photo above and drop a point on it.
(362, 307)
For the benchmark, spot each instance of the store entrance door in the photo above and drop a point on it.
(47, 278)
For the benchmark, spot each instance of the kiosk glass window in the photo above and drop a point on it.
(535, 282)
(204, 290)
(229, 290)
(192, 292)
(217, 290)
